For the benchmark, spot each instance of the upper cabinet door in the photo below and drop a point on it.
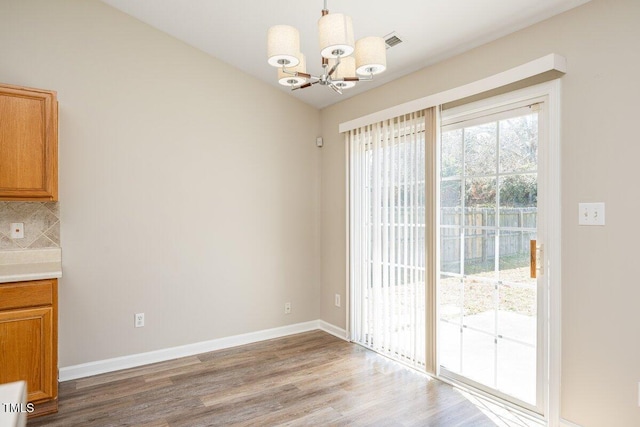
(28, 144)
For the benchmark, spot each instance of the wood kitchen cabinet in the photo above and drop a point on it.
(29, 340)
(28, 144)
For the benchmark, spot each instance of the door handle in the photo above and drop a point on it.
(536, 260)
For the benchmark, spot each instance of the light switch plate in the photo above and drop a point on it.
(17, 230)
(591, 213)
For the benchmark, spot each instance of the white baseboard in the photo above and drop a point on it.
(109, 365)
(333, 330)
(565, 423)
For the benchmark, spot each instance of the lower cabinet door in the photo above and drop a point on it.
(26, 350)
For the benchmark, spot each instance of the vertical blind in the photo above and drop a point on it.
(387, 237)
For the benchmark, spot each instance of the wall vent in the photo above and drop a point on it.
(392, 39)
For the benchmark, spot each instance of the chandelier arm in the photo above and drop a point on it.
(297, 74)
(362, 79)
(304, 86)
(335, 66)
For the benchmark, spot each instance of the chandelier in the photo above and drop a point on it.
(343, 62)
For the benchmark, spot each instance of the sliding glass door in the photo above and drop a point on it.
(447, 232)
(489, 301)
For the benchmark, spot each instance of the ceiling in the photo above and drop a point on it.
(432, 30)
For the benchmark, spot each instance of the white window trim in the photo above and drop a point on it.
(554, 248)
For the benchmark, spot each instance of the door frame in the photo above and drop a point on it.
(549, 156)
(552, 90)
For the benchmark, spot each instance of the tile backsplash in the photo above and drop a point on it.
(41, 225)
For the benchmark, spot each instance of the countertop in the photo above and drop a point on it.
(20, 266)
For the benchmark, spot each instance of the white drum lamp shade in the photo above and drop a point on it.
(347, 68)
(371, 56)
(335, 31)
(291, 80)
(283, 46)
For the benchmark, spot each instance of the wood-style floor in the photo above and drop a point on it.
(312, 379)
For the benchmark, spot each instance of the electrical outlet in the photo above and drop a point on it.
(336, 300)
(139, 320)
(287, 308)
(17, 230)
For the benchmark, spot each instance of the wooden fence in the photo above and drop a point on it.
(517, 228)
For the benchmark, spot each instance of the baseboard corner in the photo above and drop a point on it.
(333, 330)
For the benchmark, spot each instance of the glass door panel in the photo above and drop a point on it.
(478, 356)
(487, 301)
(516, 373)
(450, 345)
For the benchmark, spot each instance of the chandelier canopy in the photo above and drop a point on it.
(344, 63)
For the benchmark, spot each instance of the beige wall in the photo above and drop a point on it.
(600, 157)
(188, 190)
